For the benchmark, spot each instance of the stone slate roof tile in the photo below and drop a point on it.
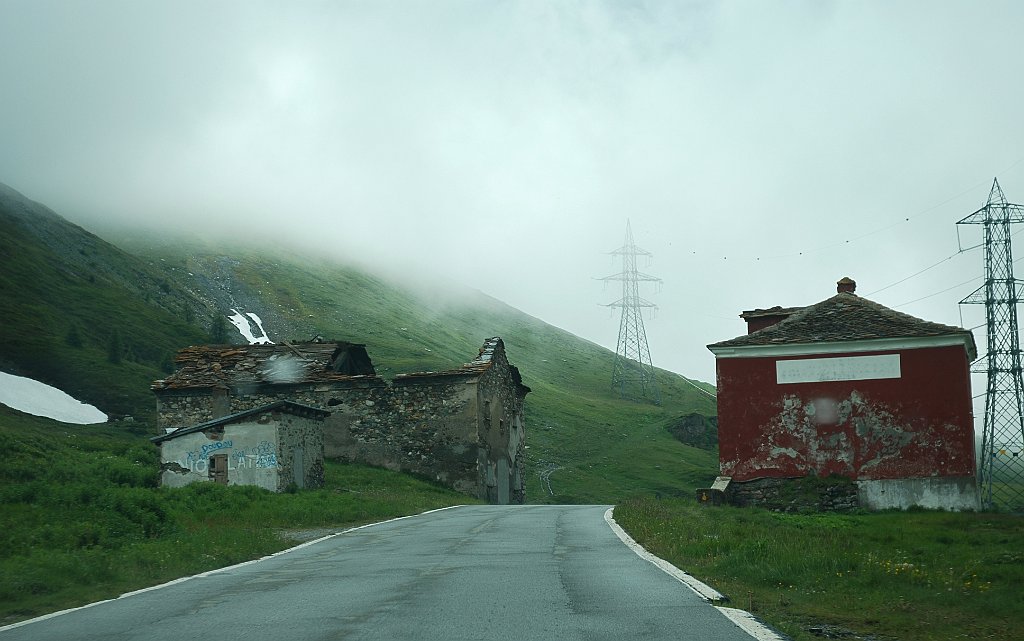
(210, 366)
(478, 366)
(845, 317)
(205, 366)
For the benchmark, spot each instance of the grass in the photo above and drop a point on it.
(48, 298)
(912, 576)
(82, 518)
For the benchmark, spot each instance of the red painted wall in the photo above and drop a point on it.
(918, 425)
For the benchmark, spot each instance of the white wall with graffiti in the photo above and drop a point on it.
(246, 452)
(276, 447)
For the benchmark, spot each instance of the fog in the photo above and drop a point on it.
(761, 151)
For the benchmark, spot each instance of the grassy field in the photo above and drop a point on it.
(81, 518)
(911, 576)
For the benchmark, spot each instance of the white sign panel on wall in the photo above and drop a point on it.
(840, 368)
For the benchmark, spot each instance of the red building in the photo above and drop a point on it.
(850, 387)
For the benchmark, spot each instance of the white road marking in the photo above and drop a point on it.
(750, 624)
(744, 620)
(216, 571)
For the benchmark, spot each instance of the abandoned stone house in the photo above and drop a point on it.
(848, 387)
(273, 446)
(461, 427)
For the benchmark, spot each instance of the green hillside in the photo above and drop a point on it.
(586, 445)
(84, 316)
(101, 323)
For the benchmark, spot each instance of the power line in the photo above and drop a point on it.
(906, 219)
(698, 388)
(903, 280)
(943, 291)
(976, 278)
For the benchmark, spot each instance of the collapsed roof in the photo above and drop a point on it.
(208, 366)
(203, 366)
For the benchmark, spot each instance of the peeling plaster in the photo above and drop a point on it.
(825, 435)
(174, 467)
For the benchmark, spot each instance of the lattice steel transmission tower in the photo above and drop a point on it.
(632, 372)
(1001, 476)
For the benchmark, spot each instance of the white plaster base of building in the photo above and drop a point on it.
(954, 493)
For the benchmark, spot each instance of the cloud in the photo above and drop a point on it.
(761, 150)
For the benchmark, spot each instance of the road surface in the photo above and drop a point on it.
(469, 573)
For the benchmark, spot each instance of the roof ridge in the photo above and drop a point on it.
(845, 316)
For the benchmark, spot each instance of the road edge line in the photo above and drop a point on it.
(182, 579)
(702, 589)
(750, 624)
(741, 618)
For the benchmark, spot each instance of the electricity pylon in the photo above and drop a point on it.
(1001, 474)
(632, 372)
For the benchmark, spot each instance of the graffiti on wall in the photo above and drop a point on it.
(209, 448)
(260, 457)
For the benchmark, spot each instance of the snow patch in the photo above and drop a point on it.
(245, 327)
(39, 399)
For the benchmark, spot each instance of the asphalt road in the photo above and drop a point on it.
(475, 572)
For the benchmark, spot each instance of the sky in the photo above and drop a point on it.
(761, 151)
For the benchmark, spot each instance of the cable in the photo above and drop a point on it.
(891, 225)
(695, 386)
(903, 280)
(939, 292)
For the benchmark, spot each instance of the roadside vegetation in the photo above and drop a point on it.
(913, 576)
(82, 518)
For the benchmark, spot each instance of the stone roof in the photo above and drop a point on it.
(206, 366)
(846, 317)
(770, 312)
(279, 406)
(210, 366)
(476, 367)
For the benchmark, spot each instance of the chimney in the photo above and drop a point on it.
(846, 286)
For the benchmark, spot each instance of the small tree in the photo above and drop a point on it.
(218, 329)
(73, 337)
(114, 347)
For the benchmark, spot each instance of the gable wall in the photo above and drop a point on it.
(502, 435)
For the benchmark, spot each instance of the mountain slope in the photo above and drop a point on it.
(585, 444)
(66, 291)
(82, 315)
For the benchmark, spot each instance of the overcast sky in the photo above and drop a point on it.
(762, 150)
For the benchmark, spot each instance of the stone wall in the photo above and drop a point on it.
(183, 409)
(463, 430)
(300, 452)
(272, 450)
(425, 427)
(250, 446)
(502, 434)
(808, 494)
